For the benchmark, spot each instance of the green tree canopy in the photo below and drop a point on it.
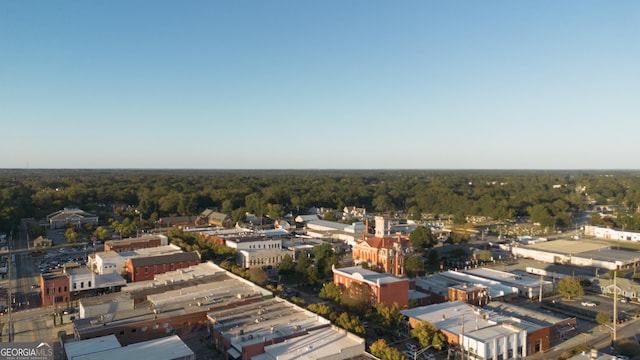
(603, 318)
(71, 235)
(331, 292)
(414, 266)
(428, 334)
(422, 238)
(382, 350)
(389, 316)
(570, 287)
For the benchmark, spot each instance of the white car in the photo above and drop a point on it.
(589, 304)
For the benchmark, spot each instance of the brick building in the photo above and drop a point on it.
(145, 268)
(54, 289)
(383, 287)
(387, 253)
(136, 243)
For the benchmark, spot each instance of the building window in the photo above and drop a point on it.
(538, 345)
(59, 289)
(75, 286)
(146, 270)
(122, 332)
(82, 285)
(143, 329)
(164, 267)
(65, 288)
(155, 269)
(171, 267)
(89, 284)
(156, 326)
(133, 330)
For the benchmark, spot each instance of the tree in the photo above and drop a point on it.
(312, 276)
(414, 266)
(389, 316)
(320, 309)
(459, 218)
(357, 298)
(382, 350)
(570, 287)
(71, 235)
(331, 292)
(484, 255)
(257, 275)
(422, 238)
(286, 266)
(329, 216)
(102, 234)
(433, 258)
(324, 258)
(603, 318)
(428, 334)
(35, 230)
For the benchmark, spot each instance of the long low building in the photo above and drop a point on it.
(108, 348)
(174, 305)
(277, 329)
(499, 331)
(528, 285)
(580, 253)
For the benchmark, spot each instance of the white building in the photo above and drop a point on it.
(500, 341)
(528, 285)
(106, 262)
(81, 279)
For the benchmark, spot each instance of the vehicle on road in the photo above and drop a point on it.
(409, 354)
(589, 304)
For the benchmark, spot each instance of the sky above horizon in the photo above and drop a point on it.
(330, 84)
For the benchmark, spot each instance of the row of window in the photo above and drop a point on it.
(53, 290)
(270, 246)
(75, 285)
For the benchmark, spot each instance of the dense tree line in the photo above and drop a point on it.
(549, 197)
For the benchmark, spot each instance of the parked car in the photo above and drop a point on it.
(589, 304)
(411, 347)
(409, 354)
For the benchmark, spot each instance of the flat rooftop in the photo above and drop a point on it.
(262, 321)
(166, 348)
(501, 308)
(325, 343)
(517, 278)
(606, 254)
(566, 246)
(357, 272)
(104, 299)
(75, 349)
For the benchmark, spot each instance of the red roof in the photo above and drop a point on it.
(386, 243)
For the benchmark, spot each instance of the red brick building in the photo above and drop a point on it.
(383, 287)
(54, 289)
(469, 293)
(135, 244)
(387, 253)
(146, 268)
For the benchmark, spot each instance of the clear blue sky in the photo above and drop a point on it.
(320, 84)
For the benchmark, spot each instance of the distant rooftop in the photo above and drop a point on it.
(165, 348)
(357, 272)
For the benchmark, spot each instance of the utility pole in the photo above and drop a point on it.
(540, 300)
(462, 345)
(10, 295)
(615, 307)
